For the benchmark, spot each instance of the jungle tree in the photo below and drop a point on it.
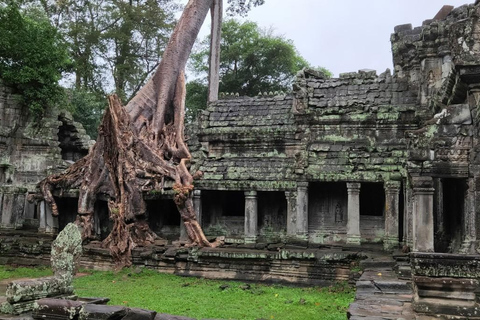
(140, 147)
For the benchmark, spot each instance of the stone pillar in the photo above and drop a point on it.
(7, 211)
(302, 211)
(12, 210)
(291, 213)
(41, 216)
(408, 219)
(197, 205)
(392, 190)
(353, 212)
(251, 216)
(470, 223)
(439, 219)
(423, 239)
(51, 222)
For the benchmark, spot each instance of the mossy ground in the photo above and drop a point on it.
(214, 299)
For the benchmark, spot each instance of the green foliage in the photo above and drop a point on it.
(13, 272)
(325, 71)
(252, 60)
(112, 39)
(32, 58)
(196, 99)
(87, 108)
(241, 7)
(201, 298)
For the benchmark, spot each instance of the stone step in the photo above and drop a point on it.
(394, 287)
(383, 287)
(380, 311)
(375, 264)
(404, 272)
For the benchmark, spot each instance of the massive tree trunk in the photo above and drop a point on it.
(139, 146)
(214, 58)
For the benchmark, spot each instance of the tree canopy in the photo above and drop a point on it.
(252, 60)
(115, 44)
(241, 7)
(32, 57)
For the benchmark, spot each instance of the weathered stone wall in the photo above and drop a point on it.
(30, 149)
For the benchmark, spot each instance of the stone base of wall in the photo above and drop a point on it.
(299, 266)
(446, 284)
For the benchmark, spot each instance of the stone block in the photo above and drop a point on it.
(403, 28)
(102, 312)
(27, 290)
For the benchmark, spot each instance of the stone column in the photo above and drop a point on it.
(6, 210)
(302, 211)
(353, 212)
(439, 219)
(392, 190)
(51, 222)
(197, 205)
(423, 239)
(470, 223)
(291, 213)
(251, 216)
(41, 216)
(408, 219)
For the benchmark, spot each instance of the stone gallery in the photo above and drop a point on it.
(390, 158)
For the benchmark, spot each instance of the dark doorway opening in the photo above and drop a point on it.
(454, 192)
(103, 224)
(68, 208)
(372, 199)
(327, 205)
(163, 218)
(223, 212)
(272, 212)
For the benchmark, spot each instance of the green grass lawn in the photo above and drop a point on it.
(12, 272)
(201, 298)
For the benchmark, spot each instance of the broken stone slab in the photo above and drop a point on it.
(56, 309)
(443, 13)
(102, 312)
(25, 290)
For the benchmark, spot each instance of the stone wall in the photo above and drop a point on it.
(30, 149)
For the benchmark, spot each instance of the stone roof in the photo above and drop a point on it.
(245, 113)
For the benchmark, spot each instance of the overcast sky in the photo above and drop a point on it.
(343, 35)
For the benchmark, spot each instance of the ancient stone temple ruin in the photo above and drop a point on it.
(390, 158)
(28, 152)
(360, 158)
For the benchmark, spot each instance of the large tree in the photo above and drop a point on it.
(140, 147)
